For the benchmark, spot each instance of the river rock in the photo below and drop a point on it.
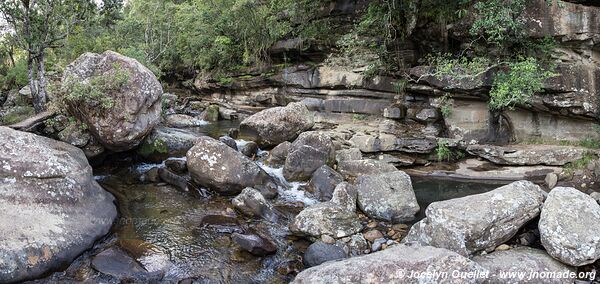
(173, 179)
(211, 113)
(308, 153)
(165, 142)
(279, 124)
(136, 105)
(523, 262)
(229, 142)
(354, 168)
(478, 222)
(252, 203)
(176, 165)
(248, 148)
(569, 226)
(215, 165)
(320, 252)
(528, 155)
(117, 263)
(335, 218)
(183, 121)
(323, 182)
(387, 196)
(394, 265)
(254, 244)
(51, 209)
(278, 154)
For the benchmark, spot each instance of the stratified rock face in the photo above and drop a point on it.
(478, 222)
(528, 155)
(136, 106)
(396, 265)
(308, 153)
(217, 166)
(51, 208)
(521, 263)
(569, 226)
(387, 196)
(279, 124)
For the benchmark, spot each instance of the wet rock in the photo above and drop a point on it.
(252, 203)
(183, 121)
(522, 262)
(74, 135)
(211, 113)
(173, 179)
(308, 153)
(254, 244)
(393, 265)
(351, 154)
(52, 208)
(229, 142)
(320, 252)
(118, 264)
(528, 155)
(387, 196)
(150, 176)
(248, 148)
(233, 133)
(278, 155)
(355, 168)
(136, 105)
(335, 218)
(165, 142)
(215, 165)
(279, 124)
(478, 222)
(177, 166)
(551, 180)
(569, 226)
(323, 182)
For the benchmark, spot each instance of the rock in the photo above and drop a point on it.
(323, 182)
(52, 208)
(279, 124)
(387, 196)
(596, 196)
(522, 263)
(355, 168)
(356, 245)
(136, 105)
(117, 263)
(227, 114)
(93, 149)
(177, 166)
(568, 226)
(377, 244)
(165, 142)
(254, 244)
(308, 153)
(327, 239)
(278, 155)
(252, 203)
(248, 148)
(229, 142)
(394, 265)
(74, 135)
(394, 112)
(173, 179)
(551, 180)
(215, 165)
(478, 222)
(150, 176)
(372, 235)
(528, 155)
(335, 218)
(502, 247)
(428, 115)
(233, 133)
(183, 121)
(351, 154)
(211, 113)
(320, 252)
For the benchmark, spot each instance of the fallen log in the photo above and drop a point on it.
(31, 122)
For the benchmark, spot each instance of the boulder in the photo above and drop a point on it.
(279, 124)
(278, 155)
(569, 225)
(323, 182)
(117, 263)
(528, 155)
(308, 153)
(387, 196)
(211, 113)
(229, 142)
(166, 142)
(355, 168)
(136, 103)
(520, 265)
(396, 265)
(320, 252)
(51, 209)
(351, 154)
(254, 244)
(335, 218)
(478, 222)
(248, 148)
(74, 135)
(215, 165)
(176, 165)
(252, 203)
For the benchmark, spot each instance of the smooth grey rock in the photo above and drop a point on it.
(229, 142)
(479, 222)
(117, 263)
(569, 226)
(166, 142)
(180, 182)
(394, 265)
(551, 180)
(387, 196)
(308, 153)
(252, 203)
(320, 252)
(254, 244)
(323, 182)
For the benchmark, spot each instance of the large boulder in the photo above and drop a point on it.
(569, 225)
(522, 264)
(279, 124)
(127, 105)
(479, 222)
(398, 264)
(217, 166)
(323, 183)
(165, 142)
(308, 153)
(51, 208)
(387, 196)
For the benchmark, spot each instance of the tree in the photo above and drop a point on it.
(39, 25)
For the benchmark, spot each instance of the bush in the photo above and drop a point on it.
(95, 91)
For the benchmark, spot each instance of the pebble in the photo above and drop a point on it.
(372, 225)
(502, 247)
(400, 227)
(373, 235)
(377, 244)
(327, 239)
(391, 233)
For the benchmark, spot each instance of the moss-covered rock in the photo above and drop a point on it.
(211, 113)
(17, 114)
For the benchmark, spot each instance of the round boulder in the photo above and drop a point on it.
(308, 153)
(321, 252)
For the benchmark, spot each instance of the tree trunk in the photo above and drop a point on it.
(42, 95)
(33, 84)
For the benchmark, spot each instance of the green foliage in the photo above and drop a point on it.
(516, 86)
(497, 20)
(445, 105)
(149, 147)
(443, 152)
(359, 117)
(581, 163)
(96, 91)
(15, 77)
(446, 64)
